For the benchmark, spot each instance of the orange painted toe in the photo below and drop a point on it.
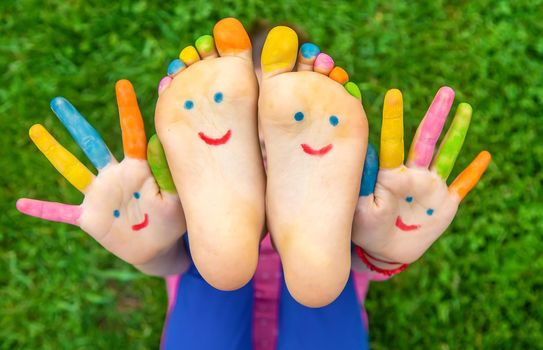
(340, 75)
(231, 37)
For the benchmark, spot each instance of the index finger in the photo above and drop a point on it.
(391, 155)
(134, 140)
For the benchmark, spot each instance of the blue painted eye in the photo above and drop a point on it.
(299, 116)
(189, 104)
(137, 195)
(408, 199)
(430, 211)
(334, 120)
(116, 213)
(218, 97)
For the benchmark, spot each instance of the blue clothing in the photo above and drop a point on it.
(205, 318)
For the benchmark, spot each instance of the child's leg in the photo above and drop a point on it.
(336, 326)
(203, 317)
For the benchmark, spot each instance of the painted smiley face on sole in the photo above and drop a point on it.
(315, 133)
(206, 120)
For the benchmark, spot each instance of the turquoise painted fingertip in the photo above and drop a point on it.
(175, 66)
(309, 50)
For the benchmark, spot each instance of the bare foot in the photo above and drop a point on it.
(315, 131)
(206, 120)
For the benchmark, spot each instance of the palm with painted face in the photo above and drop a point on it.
(403, 209)
(133, 214)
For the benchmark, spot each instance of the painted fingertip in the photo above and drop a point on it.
(189, 55)
(464, 109)
(280, 50)
(163, 84)
(340, 75)
(21, 204)
(57, 103)
(353, 89)
(231, 37)
(393, 98)
(369, 174)
(36, 131)
(446, 92)
(323, 64)
(309, 51)
(175, 67)
(205, 46)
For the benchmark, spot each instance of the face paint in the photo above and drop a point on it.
(405, 227)
(316, 152)
(218, 97)
(298, 116)
(142, 224)
(216, 141)
(189, 104)
(116, 213)
(334, 121)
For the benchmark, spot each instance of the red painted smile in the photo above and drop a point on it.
(405, 227)
(215, 142)
(142, 224)
(316, 152)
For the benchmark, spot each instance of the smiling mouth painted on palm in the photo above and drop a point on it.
(216, 141)
(142, 224)
(405, 227)
(316, 152)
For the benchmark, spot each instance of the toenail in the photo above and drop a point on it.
(218, 97)
(299, 116)
(334, 120)
(175, 66)
(189, 104)
(309, 50)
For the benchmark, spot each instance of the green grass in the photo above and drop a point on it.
(480, 286)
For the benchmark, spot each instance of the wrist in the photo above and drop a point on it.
(171, 261)
(379, 265)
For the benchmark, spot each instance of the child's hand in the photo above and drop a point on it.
(132, 214)
(404, 209)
